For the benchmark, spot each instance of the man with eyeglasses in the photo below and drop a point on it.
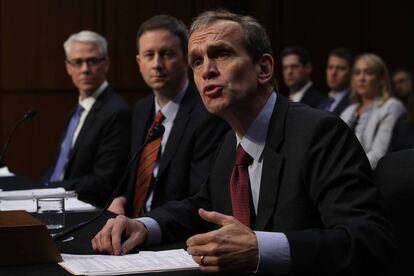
(95, 146)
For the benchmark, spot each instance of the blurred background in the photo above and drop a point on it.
(32, 72)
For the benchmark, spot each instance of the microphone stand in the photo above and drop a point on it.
(156, 132)
(28, 115)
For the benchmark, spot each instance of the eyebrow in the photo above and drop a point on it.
(213, 47)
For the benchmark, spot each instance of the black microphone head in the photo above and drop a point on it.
(156, 132)
(30, 114)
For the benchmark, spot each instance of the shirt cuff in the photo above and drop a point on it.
(274, 252)
(154, 230)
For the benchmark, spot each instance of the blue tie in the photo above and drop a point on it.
(329, 103)
(66, 145)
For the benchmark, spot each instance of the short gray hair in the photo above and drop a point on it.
(87, 37)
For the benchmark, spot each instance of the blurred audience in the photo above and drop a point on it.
(338, 79)
(374, 112)
(402, 82)
(403, 132)
(297, 69)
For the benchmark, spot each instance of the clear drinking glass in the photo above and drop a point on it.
(51, 211)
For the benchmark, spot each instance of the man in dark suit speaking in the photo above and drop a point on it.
(290, 190)
(95, 146)
(174, 166)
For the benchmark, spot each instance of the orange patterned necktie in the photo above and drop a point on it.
(146, 166)
(240, 186)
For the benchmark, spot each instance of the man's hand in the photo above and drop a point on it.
(233, 247)
(118, 205)
(108, 240)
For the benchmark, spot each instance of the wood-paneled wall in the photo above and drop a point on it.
(32, 73)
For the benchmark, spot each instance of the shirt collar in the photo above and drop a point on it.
(170, 110)
(298, 95)
(255, 139)
(338, 95)
(88, 102)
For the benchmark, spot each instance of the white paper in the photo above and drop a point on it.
(144, 261)
(33, 193)
(4, 172)
(29, 205)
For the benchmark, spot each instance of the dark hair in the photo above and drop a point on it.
(302, 53)
(256, 39)
(402, 69)
(343, 53)
(169, 23)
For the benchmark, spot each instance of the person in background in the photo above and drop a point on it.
(297, 70)
(175, 165)
(95, 146)
(338, 79)
(403, 132)
(402, 83)
(374, 112)
(290, 190)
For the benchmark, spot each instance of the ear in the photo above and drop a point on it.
(137, 59)
(107, 64)
(265, 69)
(68, 68)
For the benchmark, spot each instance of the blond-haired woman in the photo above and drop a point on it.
(374, 112)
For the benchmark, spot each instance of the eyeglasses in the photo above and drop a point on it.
(92, 61)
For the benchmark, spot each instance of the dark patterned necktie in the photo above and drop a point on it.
(240, 186)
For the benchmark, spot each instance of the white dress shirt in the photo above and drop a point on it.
(169, 111)
(298, 95)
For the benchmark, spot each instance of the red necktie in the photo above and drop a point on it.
(240, 187)
(146, 166)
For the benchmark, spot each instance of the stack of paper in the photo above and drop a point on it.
(33, 193)
(72, 204)
(144, 261)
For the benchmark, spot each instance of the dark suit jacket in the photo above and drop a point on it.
(101, 151)
(394, 176)
(187, 158)
(312, 97)
(402, 135)
(343, 103)
(316, 187)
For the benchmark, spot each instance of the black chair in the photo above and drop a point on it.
(394, 176)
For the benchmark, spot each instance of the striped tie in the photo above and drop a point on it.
(146, 166)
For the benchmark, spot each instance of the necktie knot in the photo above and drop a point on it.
(329, 103)
(242, 157)
(159, 117)
(79, 110)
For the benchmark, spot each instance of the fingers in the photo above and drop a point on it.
(215, 217)
(207, 263)
(108, 240)
(136, 234)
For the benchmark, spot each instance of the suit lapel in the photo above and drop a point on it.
(143, 117)
(178, 130)
(142, 120)
(89, 121)
(225, 169)
(272, 164)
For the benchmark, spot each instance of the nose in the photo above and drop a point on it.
(210, 70)
(85, 67)
(157, 62)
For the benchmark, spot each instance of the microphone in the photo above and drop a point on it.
(156, 132)
(27, 116)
